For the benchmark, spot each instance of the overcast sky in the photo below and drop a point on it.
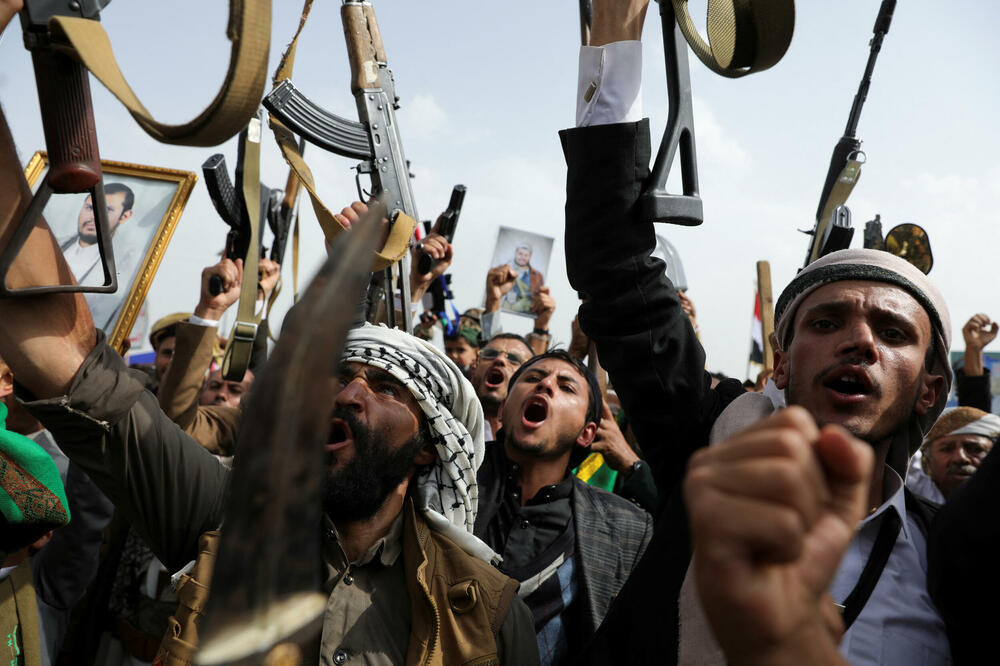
(485, 89)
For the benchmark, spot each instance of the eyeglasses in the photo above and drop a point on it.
(492, 354)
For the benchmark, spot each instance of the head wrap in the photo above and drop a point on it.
(32, 498)
(877, 266)
(446, 492)
(964, 421)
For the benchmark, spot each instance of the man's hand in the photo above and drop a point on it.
(978, 332)
(610, 443)
(543, 305)
(269, 272)
(688, 306)
(772, 511)
(499, 281)
(350, 216)
(617, 21)
(8, 10)
(441, 251)
(579, 343)
(213, 307)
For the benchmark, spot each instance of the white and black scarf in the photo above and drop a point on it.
(446, 492)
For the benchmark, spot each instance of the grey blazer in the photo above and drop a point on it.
(611, 536)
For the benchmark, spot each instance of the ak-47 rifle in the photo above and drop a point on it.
(70, 138)
(833, 230)
(375, 140)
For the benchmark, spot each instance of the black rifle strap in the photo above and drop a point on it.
(888, 532)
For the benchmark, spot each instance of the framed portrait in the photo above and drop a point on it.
(144, 204)
(528, 254)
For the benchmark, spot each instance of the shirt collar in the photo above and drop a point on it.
(387, 549)
(893, 487)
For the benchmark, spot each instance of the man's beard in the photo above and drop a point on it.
(90, 239)
(562, 444)
(360, 489)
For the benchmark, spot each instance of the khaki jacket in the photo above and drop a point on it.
(214, 426)
(458, 604)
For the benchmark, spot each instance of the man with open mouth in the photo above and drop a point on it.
(571, 545)
(498, 360)
(861, 350)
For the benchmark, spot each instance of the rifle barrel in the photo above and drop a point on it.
(880, 30)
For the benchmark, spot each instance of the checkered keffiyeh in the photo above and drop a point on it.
(446, 492)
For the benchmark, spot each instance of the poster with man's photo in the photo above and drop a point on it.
(528, 255)
(143, 204)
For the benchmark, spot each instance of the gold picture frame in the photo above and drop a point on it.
(166, 193)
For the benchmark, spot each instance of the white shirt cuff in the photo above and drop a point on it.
(198, 321)
(609, 86)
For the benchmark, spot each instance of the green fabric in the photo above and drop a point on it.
(603, 477)
(31, 491)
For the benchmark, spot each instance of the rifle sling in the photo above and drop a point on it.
(842, 188)
(744, 36)
(240, 345)
(249, 30)
(855, 602)
(402, 229)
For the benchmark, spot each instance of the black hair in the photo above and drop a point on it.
(512, 336)
(594, 399)
(120, 188)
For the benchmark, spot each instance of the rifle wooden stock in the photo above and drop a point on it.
(364, 45)
(68, 121)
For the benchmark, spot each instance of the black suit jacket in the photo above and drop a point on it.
(655, 362)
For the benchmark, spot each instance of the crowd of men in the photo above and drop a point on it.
(490, 499)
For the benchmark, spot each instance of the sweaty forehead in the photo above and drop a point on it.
(870, 298)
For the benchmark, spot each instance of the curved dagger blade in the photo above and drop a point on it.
(265, 587)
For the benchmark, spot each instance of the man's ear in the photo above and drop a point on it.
(125, 217)
(929, 393)
(780, 374)
(586, 436)
(427, 455)
(6, 381)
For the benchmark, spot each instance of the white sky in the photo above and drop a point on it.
(485, 89)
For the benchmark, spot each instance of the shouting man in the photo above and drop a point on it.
(861, 344)
(570, 544)
(406, 427)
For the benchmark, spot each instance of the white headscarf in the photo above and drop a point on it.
(447, 492)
